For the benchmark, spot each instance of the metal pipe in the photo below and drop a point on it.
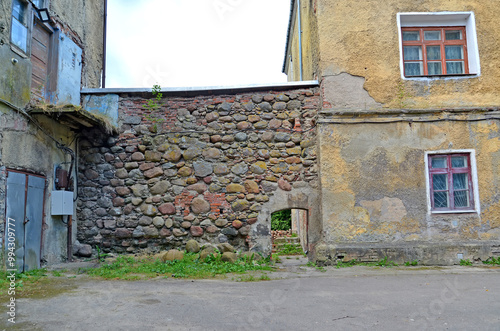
(69, 239)
(300, 38)
(105, 24)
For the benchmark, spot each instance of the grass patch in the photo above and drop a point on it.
(289, 249)
(131, 268)
(382, 263)
(25, 283)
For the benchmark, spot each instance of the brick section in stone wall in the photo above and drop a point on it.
(198, 167)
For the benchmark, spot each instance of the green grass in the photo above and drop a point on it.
(130, 268)
(492, 261)
(289, 249)
(382, 263)
(24, 282)
(412, 263)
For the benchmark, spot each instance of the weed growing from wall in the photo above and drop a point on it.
(153, 106)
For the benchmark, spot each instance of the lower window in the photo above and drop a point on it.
(450, 182)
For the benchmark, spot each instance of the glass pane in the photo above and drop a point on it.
(411, 35)
(413, 52)
(433, 52)
(461, 199)
(432, 35)
(19, 34)
(434, 68)
(438, 162)
(414, 69)
(454, 52)
(440, 182)
(459, 162)
(441, 200)
(453, 35)
(460, 182)
(38, 3)
(19, 11)
(454, 67)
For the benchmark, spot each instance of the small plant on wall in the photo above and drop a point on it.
(153, 106)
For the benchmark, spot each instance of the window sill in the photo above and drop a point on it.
(470, 211)
(18, 51)
(436, 77)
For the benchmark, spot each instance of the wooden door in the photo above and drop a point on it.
(40, 52)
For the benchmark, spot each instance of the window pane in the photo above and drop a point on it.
(413, 53)
(438, 162)
(441, 200)
(19, 11)
(414, 69)
(459, 162)
(454, 67)
(454, 52)
(38, 3)
(19, 34)
(432, 35)
(433, 52)
(453, 35)
(461, 199)
(411, 35)
(440, 182)
(460, 182)
(434, 68)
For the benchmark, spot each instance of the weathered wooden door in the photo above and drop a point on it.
(24, 211)
(40, 54)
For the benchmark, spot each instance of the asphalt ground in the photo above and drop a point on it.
(296, 298)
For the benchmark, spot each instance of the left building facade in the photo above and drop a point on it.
(49, 50)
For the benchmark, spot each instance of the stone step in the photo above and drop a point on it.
(292, 240)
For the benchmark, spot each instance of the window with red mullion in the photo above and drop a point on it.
(450, 190)
(442, 43)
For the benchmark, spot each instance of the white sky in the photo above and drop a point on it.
(178, 43)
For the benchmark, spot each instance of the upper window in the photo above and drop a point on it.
(19, 31)
(434, 51)
(435, 45)
(451, 187)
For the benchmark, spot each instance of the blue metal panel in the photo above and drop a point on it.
(15, 206)
(69, 71)
(34, 219)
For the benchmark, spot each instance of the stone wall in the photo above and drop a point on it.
(210, 167)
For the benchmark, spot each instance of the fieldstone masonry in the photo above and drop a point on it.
(208, 168)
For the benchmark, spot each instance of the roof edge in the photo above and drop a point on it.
(203, 90)
(292, 6)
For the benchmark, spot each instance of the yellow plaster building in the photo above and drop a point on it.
(408, 132)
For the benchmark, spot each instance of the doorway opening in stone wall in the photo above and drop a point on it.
(289, 231)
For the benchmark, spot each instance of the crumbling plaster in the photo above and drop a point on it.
(362, 40)
(379, 190)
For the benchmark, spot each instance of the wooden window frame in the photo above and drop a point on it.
(443, 42)
(449, 171)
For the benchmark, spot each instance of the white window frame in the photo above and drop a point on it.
(475, 182)
(429, 19)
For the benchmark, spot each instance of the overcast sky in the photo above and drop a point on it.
(178, 43)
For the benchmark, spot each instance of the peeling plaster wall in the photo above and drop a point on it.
(361, 39)
(86, 20)
(24, 148)
(374, 190)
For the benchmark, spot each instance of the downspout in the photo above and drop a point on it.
(300, 39)
(104, 33)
